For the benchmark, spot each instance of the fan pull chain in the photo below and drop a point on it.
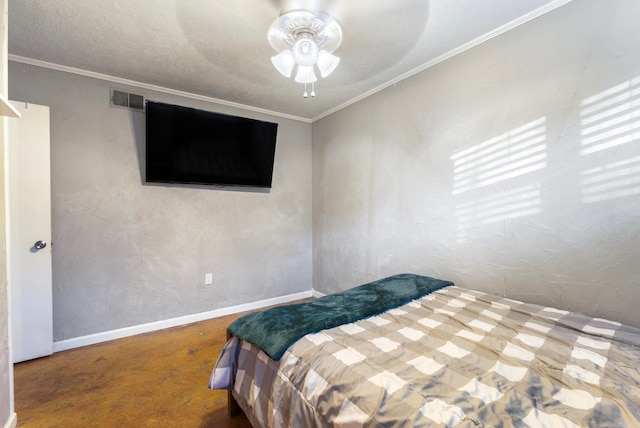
(305, 91)
(313, 89)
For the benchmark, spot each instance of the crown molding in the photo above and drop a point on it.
(147, 86)
(460, 49)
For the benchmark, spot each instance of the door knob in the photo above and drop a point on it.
(39, 245)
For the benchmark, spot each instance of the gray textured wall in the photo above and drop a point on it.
(513, 168)
(126, 253)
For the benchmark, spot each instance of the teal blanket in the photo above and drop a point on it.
(275, 330)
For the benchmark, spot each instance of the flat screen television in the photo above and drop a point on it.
(191, 146)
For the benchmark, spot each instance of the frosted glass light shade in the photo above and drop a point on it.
(305, 50)
(284, 62)
(305, 74)
(327, 63)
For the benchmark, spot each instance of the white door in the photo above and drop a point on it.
(29, 232)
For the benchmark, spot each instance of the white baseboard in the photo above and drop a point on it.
(12, 422)
(317, 294)
(106, 336)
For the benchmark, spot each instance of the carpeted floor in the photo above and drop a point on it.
(152, 380)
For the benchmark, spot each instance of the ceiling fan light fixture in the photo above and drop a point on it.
(305, 50)
(284, 62)
(327, 63)
(305, 74)
(305, 40)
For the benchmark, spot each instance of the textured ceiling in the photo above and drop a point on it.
(219, 49)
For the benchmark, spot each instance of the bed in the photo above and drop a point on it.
(443, 356)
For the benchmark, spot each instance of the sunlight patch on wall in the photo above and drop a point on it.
(481, 171)
(518, 202)
(611, 181)
(611, 118)
(517, 152)
(610, 132)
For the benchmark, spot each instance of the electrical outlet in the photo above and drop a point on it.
(208, 279)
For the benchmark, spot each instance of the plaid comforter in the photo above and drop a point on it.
(453, 358)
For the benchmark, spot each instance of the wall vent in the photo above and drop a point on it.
(126, 100)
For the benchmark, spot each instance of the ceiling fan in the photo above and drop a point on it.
(305, 41)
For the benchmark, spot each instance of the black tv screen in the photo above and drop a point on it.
(190, 146)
